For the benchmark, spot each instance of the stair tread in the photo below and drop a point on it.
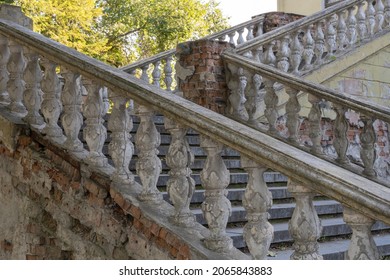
(330, 248)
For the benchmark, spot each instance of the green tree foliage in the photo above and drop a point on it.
(122, 31)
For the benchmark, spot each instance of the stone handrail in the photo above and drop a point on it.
(236, 35)
(366, 200)
(310, 42)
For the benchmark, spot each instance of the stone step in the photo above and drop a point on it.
(335, 249)
(278, 211)
(330, 227)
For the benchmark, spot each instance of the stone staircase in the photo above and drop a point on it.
(336, 233)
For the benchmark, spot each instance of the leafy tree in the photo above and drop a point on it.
(121, 31)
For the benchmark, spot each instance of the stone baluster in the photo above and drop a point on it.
(16, 85)
(269, 56)
(371, 17)
(168, 73)
(180, 185)
(71, 118)
(156, 74)
(379, 15)
(340, 142)
(352, 23)
(362, 246)
(331, 34)
(271, 100)
(249, 36)
(4, 74)
(387, 13)
(292, 112)
(304, 226)
(51, 104)
(237, 85)
(257, 200)
(95, 133)
(148, 166)
(216, 206)
(231, 38)
(368, 140)
(314, 119)
(319, 47)
(341, 31)
(296, 54)
(361, 19)
(254, 97)
(32, 94)
(240, 38)
(284, 54)
(144, 74)
(121, 149)
(308, 51)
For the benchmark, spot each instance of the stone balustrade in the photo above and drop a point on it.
(368, 199)
(160, 69)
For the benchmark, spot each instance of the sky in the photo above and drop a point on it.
(243, 10)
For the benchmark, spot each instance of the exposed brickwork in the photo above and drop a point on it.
(207, 86)
(72, 216)
(274, 20)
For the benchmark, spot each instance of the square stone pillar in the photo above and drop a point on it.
(15, 14)
(201, 74)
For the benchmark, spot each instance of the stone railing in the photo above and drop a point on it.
(310, 42)
(32, 65)
(162, 72)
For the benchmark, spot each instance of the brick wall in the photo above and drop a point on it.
(51, 209)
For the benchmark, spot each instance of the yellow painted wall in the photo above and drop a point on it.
(301, 7)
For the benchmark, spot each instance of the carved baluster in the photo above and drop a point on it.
(144, 75)
(254, 98)
(331, 36)
(319, 48)
(284, 54)
(371, 18)
(352, 23)
(308, 51)
(258, 232)
(269, 56)
(387, 13)
(51, 104)
(180, 185)
(361, 18)
(249, 36)
(71, 118)
(341, 31)
(340, 133)
(16, 85)
(362, 246)
(121, 148)
(292, 111)
(5, 54)
(314, 119)
(271, 101)
(368, 140)
(296, 54)
(148, 166)
(304, 226)
(237, 85)
(33, 93)
(240, 38)
(95, 132)
(231, 38)
(380, 17)
(168, 73)
(216, 206)
(156, 74)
